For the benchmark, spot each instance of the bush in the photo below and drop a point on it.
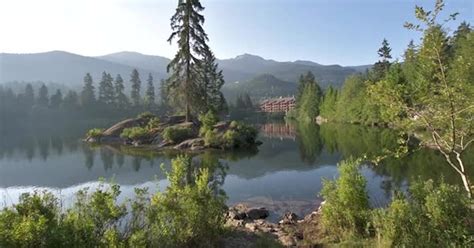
(239, 135)
(95, 133)
(188, 213)
(134, 133)
(146, 115)
(438, 216)
(346, 211)
(153, 123)
(212, 139)
(208, 121)
(177, 134)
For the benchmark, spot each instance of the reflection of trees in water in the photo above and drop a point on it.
(89, 155)
(57, 144)
(280, 130)
(43, 146)
(309, 142)
(107, 157)
(119, 159)
(136, 163)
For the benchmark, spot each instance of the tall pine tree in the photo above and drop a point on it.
(381, 67)
(29, 96)
(186, 25)
(120, 98)
(43, 96)
(212, 81)
(106, 89)
(57, 99)
(88, 94)
(150, 92)
(136, 85)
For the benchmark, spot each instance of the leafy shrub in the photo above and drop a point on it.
(95, 133)
(208, 121)
(212, 139)
(153, 123)
(146, 115)
(239, 135)
(186, 214)
(346, 211)
(134, 133)
(33, 222)
(177, 134)
(436, 215)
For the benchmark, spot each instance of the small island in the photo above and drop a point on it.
(174, 132)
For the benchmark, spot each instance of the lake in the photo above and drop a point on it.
(284, 174)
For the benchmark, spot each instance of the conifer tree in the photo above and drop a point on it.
(150, 92)
(56, 99)
(120, 98)
(29, 96)
(136, 85)
(88, 92)
(186, 25)
(212, 81)
(381, 67)
(71, 100)
(43, 96)
(106, 89)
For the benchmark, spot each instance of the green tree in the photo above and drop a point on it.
(186, 25)
(88, 92)
(382, 66)
(43, 96)
(150, 92)
(309, 102)
(440, 96)
(71, 100)
(29, 96)
(328, 105)
(120, 98)
(56, 99)
(212, 81)
(106, 89)
(136, 85)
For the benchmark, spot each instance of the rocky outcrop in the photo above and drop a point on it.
(253, 220)
(118, 128)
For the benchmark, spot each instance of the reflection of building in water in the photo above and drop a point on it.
(278, 105)
(278, 130)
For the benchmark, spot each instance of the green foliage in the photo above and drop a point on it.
(153, 123)
(346, 211)
(106, 89)
(328, 104)
(136, 85)
(438, 216)
(309, 98)
(239, 135)
(146, 115)
(95, 133)
(188, 213)
(134, 133)
(212, 139)
(150, 92)
(208, 121)
(177, 134)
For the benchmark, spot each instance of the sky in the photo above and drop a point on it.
(345, 32)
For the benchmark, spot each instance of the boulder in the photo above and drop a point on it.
(221, 126)
(236, 215)
(117, 129)
(175, 119)
(187, 144)
(257, 213)
(289, 218)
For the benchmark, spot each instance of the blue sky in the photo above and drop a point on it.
(346, 32)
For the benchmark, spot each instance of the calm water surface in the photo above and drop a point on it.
(285, 173)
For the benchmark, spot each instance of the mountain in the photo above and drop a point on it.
(246, 66)
(69, 69)
(261, 86)
(361, 68)
(61, 67)
(134, 59)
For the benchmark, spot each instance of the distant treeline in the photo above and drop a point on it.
(106, 99)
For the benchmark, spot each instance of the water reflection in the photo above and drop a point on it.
(285, 172)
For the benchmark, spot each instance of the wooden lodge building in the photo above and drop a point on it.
(278, 105)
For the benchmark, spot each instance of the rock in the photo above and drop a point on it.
(257, 213)
(190, 143)
(157, 140)
(171, 120)
(251, 226)
(287, 240)
(221, 126)
(236, 215)
(117, 129)
(289, 218)
(164, 143)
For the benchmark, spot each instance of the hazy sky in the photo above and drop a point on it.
(346, 32)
